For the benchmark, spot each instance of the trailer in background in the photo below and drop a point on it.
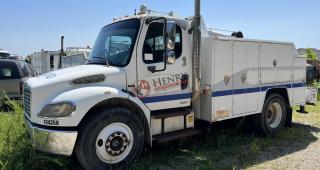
(74, 60)
(46, 61)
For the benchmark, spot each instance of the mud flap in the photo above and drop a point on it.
(289, 118)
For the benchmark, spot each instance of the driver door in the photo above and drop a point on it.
(169, 88)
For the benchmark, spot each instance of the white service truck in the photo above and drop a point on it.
(153, 78)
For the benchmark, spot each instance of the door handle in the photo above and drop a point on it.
(131, 86)
(275, 63)
(243, 77)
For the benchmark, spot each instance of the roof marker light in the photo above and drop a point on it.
(143, 9)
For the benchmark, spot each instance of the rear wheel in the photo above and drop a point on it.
(273, 116)
(113, 138)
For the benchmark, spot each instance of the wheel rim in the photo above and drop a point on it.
(274, 114)
(114, 143)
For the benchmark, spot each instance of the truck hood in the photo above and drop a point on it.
(46, 87)
(68, 74)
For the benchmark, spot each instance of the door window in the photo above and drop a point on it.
(154, 45)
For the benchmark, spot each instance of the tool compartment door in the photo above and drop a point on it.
(239, 77)
(222, 85)
(268, 63)
(284, 63)
(253, 84)
(245, 77)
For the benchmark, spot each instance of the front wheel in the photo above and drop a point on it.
(113, 138)
(273, 116)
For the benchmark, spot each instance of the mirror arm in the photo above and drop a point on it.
(152, 69)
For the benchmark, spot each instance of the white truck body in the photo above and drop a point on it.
(241, 71)
(237, 77)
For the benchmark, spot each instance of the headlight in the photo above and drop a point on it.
(62, 109)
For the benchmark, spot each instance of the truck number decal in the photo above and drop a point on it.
(51, 122)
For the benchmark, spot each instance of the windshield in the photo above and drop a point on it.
(4, 55)
(115, 43)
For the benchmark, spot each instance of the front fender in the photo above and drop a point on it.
(85, 98)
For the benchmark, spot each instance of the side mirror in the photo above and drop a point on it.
(171, 35)
(171, 57)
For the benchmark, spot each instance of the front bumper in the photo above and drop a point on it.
(51, 141)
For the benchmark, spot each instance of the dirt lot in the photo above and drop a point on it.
(227, 147)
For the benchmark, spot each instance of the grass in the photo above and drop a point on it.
(15, 150)
(227, 147)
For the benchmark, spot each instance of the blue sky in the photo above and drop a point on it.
(31, 25)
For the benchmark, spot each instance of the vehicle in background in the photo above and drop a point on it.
(311, 85)
(13, 74)
(15, 57)
(4, 54)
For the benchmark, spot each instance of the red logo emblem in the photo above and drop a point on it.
(143, 89)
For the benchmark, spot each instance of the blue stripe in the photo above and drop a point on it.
(218, 93)
(166, 98)
(298, 85)
(289, 85)
(265, 88)
(223, 93)
(253, 90)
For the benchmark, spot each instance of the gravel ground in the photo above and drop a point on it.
(306, 159)
(301, 155)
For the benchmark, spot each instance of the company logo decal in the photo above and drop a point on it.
(170, 82)
(144, 89)
(161, 84)
(49, 75)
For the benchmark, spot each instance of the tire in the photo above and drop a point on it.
(115, 133)
(273, 116)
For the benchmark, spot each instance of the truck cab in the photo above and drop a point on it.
(138, 46)
(138, 65)
(145, 82)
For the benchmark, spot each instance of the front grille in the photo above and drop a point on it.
(27, 100)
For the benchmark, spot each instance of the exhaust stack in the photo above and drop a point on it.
(61, 52)
(196, 51)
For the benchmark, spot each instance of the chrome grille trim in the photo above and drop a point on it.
(27, 100)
